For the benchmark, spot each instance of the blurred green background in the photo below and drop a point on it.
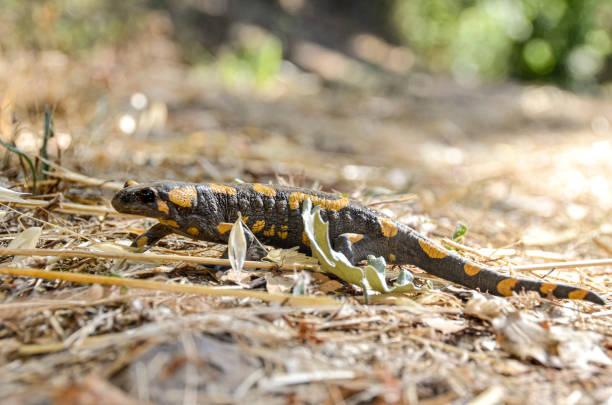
(565, 42)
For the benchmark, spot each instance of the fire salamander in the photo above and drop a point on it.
(273, 215)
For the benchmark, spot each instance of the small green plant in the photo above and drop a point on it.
(253, 61)
(48, 132)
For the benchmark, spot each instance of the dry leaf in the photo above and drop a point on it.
(25, 240)
(487, 308)
(527, 338)
(279, 284)
(240, 278)
(289, 257)
(444, 325)
(330, 286)
(93, 390)
(114, 247)
(219, 368)
(111, 247)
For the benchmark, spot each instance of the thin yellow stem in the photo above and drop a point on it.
(287, 299)
(159, 258)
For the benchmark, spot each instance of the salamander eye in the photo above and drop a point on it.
(146, 195)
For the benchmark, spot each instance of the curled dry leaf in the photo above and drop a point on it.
(527, 338)
(487, 307)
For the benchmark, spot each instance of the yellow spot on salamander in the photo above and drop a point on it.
(432, 250)
(245, 219)
(130, 183)
(265, 190)
(142, 241)
(224, 227)
(354, 237)
(284, 232)
(305, 239)
(162, 206)
(269, 232)
(387, 227)
(183, 196)
(297, 197)
(392, 257)
(505, 287)
(577, 294)
(223, 189)
(193, 231)
(169, 222)
(471, 269)
(547, 288)
(258, 226)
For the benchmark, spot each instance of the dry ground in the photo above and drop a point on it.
(527, 170)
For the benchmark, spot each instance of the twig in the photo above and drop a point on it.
(564, 265)
(286, 299)
(542, 266)
(150, 258)
(394, 201)
(468, 249)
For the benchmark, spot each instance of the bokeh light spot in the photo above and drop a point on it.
(539, 56)
(127, 124)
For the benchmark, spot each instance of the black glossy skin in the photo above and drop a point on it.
(213, 204)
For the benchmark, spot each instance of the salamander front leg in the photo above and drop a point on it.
(152, 236)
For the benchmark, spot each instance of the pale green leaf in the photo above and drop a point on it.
(237, 246)
(371, 276)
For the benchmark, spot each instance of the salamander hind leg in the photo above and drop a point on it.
(356, 247)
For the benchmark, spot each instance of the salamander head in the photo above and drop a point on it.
(152, 199)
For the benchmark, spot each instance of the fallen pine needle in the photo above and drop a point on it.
(286, 299)
(149, 258)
